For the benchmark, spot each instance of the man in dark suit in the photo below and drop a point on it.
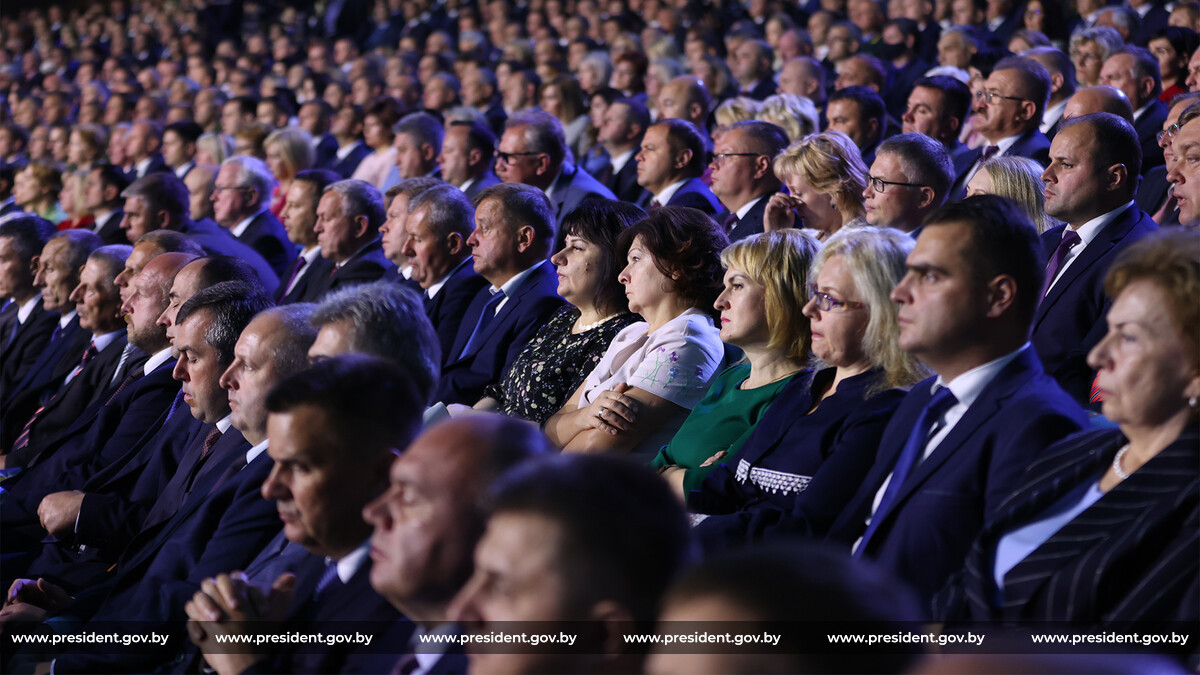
(1062, 85)
(480, 90)
(179, 147)
(329, 417)
(240, 199)
(1134, 70)
(300, 221)
(25, 325)
(625, 122)
(440, 220)
(1090, 186)
(347, 128)
(446, 470)
(102, 197)
(348, 219)
(752, 65)
(533, 150)
(1008, 116)
(859, 112)
(467, 157)
(161, 202)
(315, 117)
(937, 108)
(670, 165)
(958, 443)
(142, 147)
(514, 230)
(743, 177)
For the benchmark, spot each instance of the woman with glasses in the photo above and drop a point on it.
(809, 453)
(766, 277)
(657, 369)
(1089, 48)
(825, 177)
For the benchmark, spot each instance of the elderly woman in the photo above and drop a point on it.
(814, 446)
(1089, 48)
(1018, 179)
(570, 345)
(36, 189)
(289, 151)
(1115, 510)
(658, 369)
(825, 177)
(766, 282)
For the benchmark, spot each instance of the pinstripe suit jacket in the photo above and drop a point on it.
(1134, 555)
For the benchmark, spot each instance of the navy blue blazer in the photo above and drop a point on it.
(1147, 126)
(949, 497)
(57, 360)
(266, 235)
(446, 309)
(1134, 555)
(318, 271)
(1152, 191)
(1032, 144)
(496, 117)
(796, 472)
(482, 183)
(573, 186)
(624, 183)
(464, 376)
(216, 240)
(345, 167)
(695, 194)
(366, 265)
(20, 346)
(1071, 318)
(326, 152)
(761, 90)
(156, 165)
(749, 225)
(110, 231)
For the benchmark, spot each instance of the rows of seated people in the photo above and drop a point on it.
(357, 366)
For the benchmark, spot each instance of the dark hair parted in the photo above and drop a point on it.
(1003, 242)
(232, 305)
(601, 222)
(622, 535)
(371, 401)
(686, 245)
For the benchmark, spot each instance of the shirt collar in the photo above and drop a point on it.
(466, 184)
(103, 341)
(665, 196)
(351, 562)
(344, 151)
(620, 161)
(310, 255)
(514, 283)
(355, 254)
(433, 290)
(241, 227)
(969, 385)
(67, 317)
(224, 423)
(182, 169)
(26, 309)
(141, 166)
(253, 453)
(157, 360)
(741, 213)
(1088, 231)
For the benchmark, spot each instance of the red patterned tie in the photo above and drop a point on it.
(23, 439)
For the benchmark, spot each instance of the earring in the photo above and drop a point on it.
(1192, 403)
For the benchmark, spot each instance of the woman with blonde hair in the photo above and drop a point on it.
(289, 151)
(36, 188)
(810, 452)
(1018, 179)
(766, 282)
(825, 177)
(72, 201)
(213, 148)
(734, 110)
(794, 114)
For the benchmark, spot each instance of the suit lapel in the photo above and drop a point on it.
(1105, 241)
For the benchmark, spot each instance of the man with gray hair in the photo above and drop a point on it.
(380, 319)
(348, 219)
(440, 220)
(909, 179)
(533, 151)
(418, 143)
(241, 199)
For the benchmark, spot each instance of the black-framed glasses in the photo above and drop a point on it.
(826, 302)
(991, 96)
(507, 157)
(1169, 132)
(880, 185)
(719, 159)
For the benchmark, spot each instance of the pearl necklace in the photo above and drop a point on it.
(1116, 465)
(585, 327)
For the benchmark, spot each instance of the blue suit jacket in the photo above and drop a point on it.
(1071, 318)
(1152, 191)
(749, 225)
(1032, 144)
(1147, 126)
(484, 182)
(367, 265)
(446, 309)
(56, 361)
(326, 152)
(318, 270)
(572, 187)
(19, 351)
(949, 497)
(345, 167)
(464, 376)
(1134, 555)
(216, 240)
(110, 231)
(266, 235)
(695, 194)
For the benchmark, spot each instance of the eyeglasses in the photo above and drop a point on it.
(880, 185)
(826, 302)
(721, 158)
(1169, 132)
(1084, 56)
(991, 96)
(507, 157)
(222, 188)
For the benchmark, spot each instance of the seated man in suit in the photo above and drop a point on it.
(1062, 84)
(514, 230)
(686, 98)
(1100, 98)
(467, 156)
(102, 197)
(439, 222)
(859, 112)
(59, 265)
(937, 107)
(670, 165)
(347, 128)
(481, 91)
(332, 441)
(1184, 176)
(422, 562)
(179, 147)
(1134, 70)
(315, 117)
(142, 147)
(743, 176)
(25, 323)
(910, 178)
(418, 143)
(956, 446)
(533, 151)
(380, 319)
(562, 545)
(752, 65)
(392, 233)
(163, 202)
(1090, 184)
(625, 122)
(348, 219)
(300, 221)
(803, 76)
(240, 204)
(1008, 114)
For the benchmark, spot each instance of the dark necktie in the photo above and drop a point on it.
(88, 354)
(654, 205)
(989, 152)
(485, 318)
(23, 438)
(300, 263)
(328, 583)
(910, 456)
(176, 491)
(1069, 240)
